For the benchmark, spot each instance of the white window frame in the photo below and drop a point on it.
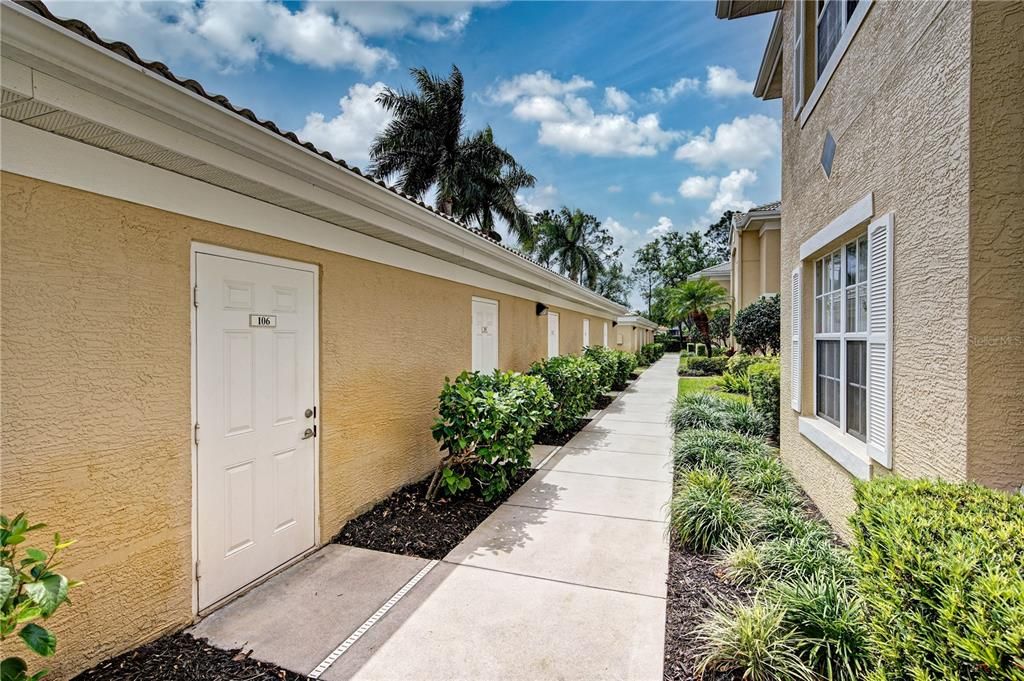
(850, 28)
(798, 59)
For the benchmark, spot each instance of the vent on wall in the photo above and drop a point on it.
(828, 153)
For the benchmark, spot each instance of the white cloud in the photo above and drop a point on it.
(659, 200)
(617, 100)
(663, 226)
(744, 141)
(541, 198)
(537, 84)
(731, 189)
(541, 108)
(698, 187)
(677, 88)
(231, 35)
(348, 134)
(614, 189)
(725, 82)
(430, 21)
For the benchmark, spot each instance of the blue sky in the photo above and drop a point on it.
(639, 113)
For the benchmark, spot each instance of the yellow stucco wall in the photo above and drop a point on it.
(898, 109)
(750, 268)
(768, 281)
(96, 420)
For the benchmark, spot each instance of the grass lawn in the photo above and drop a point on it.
(694, 384)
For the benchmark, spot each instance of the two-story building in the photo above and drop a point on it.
(901, 242)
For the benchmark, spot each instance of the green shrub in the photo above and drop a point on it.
(30, 589)
(734, 383)
(670, 343)
(756, 327)
(705, 514)
(751, 640)
(942, 575)
(650, 353)
(829, 628)
(624, 368)
(486, 425)
(575, 383)
(764, 394)
(713, 450)
(607, 362)
(739, 363)
(702, 366)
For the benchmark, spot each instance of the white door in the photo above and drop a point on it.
(552, 334)
(255, 412)
(606, 334)
(586, 333)
(485, 335)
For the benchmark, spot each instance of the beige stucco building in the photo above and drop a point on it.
(632, 332)
(754, 255)
(902, 245)
(180, 281)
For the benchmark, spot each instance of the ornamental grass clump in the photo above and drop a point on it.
(942, 575)
(763, 474)
(717, 450)
(715, 412)
(486, 425)
(575, 384)
(705, 515)
(752, 641)
(787, 522)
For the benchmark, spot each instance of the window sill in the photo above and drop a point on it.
(846, 450)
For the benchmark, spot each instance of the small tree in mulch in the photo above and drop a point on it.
(486, 425)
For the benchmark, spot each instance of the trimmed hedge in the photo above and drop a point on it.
(942, 574)
(650, 353)
(702, 366)
(739, 363)
(606, 360)
(764, 393)
(626, 363)
(486, 424)
(575, 383)
(670, 343)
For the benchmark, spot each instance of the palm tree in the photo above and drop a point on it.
(423, 145)
(571, 240)
(695, 300)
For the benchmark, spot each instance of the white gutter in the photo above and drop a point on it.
(76, 75)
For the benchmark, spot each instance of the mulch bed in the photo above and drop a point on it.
(603, 401)
(179, 657)
(407, 524)
(693, 587)
(548, 436)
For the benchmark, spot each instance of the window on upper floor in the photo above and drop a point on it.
(822, 31)
(831, 19)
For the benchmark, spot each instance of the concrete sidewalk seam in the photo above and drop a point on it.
(555, 581)
(595, 515)
(604, 475)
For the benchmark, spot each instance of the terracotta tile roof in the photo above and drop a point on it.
(128, 52)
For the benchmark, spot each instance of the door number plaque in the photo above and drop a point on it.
(268, 321)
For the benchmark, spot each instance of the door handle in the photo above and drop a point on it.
(308, 434)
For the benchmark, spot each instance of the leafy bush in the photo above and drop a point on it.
(734, 383)
(607, 362)
(756, 327)
(696, 350)
(575, 383)
(942, 575)
(670, 343)
(625, 366)
(829, 627)
(752, 640)
(30, 589)
(718, 325)
(486, 424)
(705, 514)
(739, 363)
(764, 394)
(702, 366)
(650, 353)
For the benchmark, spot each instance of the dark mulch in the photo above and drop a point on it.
(635, 375)
(693, 586)
(179, 657)
(603, 401)
(548, 435)
(407, 524)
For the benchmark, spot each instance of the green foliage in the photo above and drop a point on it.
(756, 327)
(752, 640)
(763, 474)
(573, 242)
(942, 575)
(702, 366)
(764, 394)
(807, 556)
(625, 365)
(486, 424)
(718, 325)
(718, 451)
(827, 620)
(705, 513)
(715, 412)
(670, 343)
(575, 383)
(734, 383)
(30, 589)
(650, 353)
(788, 522)
(739, 363)
(607, 363)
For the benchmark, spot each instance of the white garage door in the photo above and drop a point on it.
(255, 416)
(552, 334)
(485, 335)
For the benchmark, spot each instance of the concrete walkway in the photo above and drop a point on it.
(566, 580)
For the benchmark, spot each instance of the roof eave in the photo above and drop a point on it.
(737, 9)
(768, 84)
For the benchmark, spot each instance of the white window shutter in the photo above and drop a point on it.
(794, 355)
(880, 294)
